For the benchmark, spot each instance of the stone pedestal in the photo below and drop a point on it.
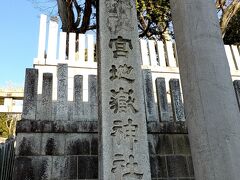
(210, 104)
(122, 121)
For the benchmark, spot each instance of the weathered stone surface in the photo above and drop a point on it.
(160, 144)
(71, 167)
(150, 105)
(177, 166)
(78, 144)
(58, 167)
(62, 92)
(28, 144)
(23, 169)
(42, 167)
(181, 144)
(27, 126)
(158, 167)
(78, 97)
(162, 99)
(53, 144)
(87, 167)
(179, 127)
(44, 109)
(94, 144)
(210, 103)
(190, 166)
(30, 94)
(122, 119)
(177, 105)
(92, 97)
(34, 168)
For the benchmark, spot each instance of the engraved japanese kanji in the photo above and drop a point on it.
(117, 131)
(118, 166)
(123, 72)
(121, 46)
(121, 101)
(131, 170)
(123, 169)
(123, 132)
(130, 132)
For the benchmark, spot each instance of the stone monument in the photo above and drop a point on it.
(122, 120)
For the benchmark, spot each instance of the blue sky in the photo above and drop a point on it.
(18, 40)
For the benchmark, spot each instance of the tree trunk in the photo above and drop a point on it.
(228, 13)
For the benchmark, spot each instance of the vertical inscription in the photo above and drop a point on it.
(124, 152)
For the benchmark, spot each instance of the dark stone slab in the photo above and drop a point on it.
(181, 144)
(53, 144)
(78, 144)
(30, 94)
(71, 167)
(177, 104)
(94, 145)
(177, 166)
(43, 167)
(32, 168)
(28, 144)
(160, 144)
(87, 167)
(179, 127)
(62, 92)
(58, 167)
(45, 126)
(158, 167)
(92, 97)
(190, 166)
(150, 106)
(30, 126)
(78, 97)
(44, 107)
(23, 169)
(162, 99)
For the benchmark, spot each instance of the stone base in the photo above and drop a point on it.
(69, 150)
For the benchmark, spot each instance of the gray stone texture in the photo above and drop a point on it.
(162, 99)
(62, 92)
(210, 103)
(122, 119)
(30, 94)
(177, 104)
(92, 97)
(44, 107)
(46, 156)
(28, 144)
(170, 156)
(150, 105)
(68, 148)
(78, 97)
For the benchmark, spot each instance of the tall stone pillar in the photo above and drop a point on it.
(211, 107)
(122, 127)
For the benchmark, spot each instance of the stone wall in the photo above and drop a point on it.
(59, 139)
